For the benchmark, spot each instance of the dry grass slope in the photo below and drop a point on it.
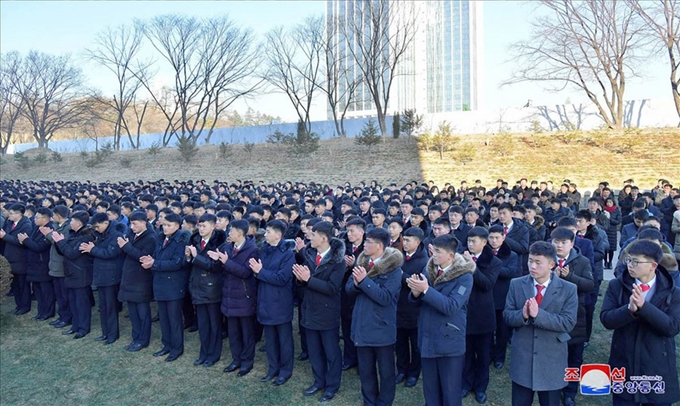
(584, 158)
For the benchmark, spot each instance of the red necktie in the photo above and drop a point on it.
(408, 257)
(440, 271)
(561, 262)
(202, 245)
(474, 258)
(370, 265)
(405, 221)
(318, 260)
(135, 237)
(539, 293)
(644, 287)
(505, 230)
(235, 251)
(14, 225)
(354, 249)
(495, 252)
(165, 243)
(580, 236)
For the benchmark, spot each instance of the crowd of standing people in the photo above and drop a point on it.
(397, 282)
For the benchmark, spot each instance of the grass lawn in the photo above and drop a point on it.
(40, 366)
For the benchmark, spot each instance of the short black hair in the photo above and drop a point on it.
(99, 218)
(641, 215)
(584, 214)
(650, 233)
(647, 249)
(562, 233)
(207, 217)
(277, 225)
(566, 222)
(457, 209)
(505, 206)
(380, 235)
(173, 218)
(416, 232)
(44, 211)
(20, 207)
(356, 221)
(240, 225)
(82, 216)
(543, 249)
(62, 211)
(447, 242)
(479, 232)
(496, 228)
(138, 216)
(323, 227)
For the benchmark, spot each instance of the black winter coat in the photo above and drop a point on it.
(239, 292)
(644, 342)
(510, 268)
(108, 258)
(408, 311)
(481, 316)
(349, 301)
(136, 283)
(275, 284)
(38, 256)
(206, 279)
(169, 272)
(612, 230)
(581, 275)
(518, 240)
(15, 252)
(77, 265)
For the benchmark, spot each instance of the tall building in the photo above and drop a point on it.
(441, 69)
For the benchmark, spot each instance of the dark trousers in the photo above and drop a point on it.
(302, 331)
(209, 320)
(522, 396)
(442, 381)
(172, 334)
(79, 301)
(242, 341)
(323, 347)
(375, 393)
(349, 355)
(477, 360)
(108, 311)
(500, 345)
(140, 319)
(408, 354)
(61, 294)
(22, 292)
(574, 360)
(44, 294)
(617, 401)
(189, 312)
(280, 349)
(258, 330)
(590, 308)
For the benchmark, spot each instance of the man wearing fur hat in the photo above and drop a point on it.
(375, 283)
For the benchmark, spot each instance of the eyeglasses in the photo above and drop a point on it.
(634, 262)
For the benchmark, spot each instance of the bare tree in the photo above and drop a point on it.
(591, 45)
(212, 61)
(379, 35)
(663, 19)
(52, 91)
(11, 102)
(116, 49)
(294, 63)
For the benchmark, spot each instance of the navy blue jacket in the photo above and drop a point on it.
(206, 279)
(275, 284)
(108, 258)
(443, 309)
(77, 265)
(407, 311)
(136, 283)
(38, 256)
(374, 318)
(510, 268)
(461, 234)
(15, 252)
(518, 241)
(169, 273)
(321, 293)
(481, 310)
(627, 232)
(239, 292)
(580, 274)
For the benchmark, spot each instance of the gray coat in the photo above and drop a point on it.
(539, 346)
(676, 229)
(56, 259)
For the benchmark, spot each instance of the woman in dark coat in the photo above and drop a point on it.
(38, 265)
(136, 284)
(614, 221)
(77, 272)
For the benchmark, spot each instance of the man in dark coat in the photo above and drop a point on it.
(406, 348)
(62, 226)
(375, 282)
(239, 295)
(108, 266)
(169, 284)
(642, 306)
(274, 273)
(17, 255)
(354, 246)
(458, 227)
(442, 292)
(516, 235)
(481, 321)
(320, 277)
(39, 264)
(77, 273)
(136, 283)
(575, 268)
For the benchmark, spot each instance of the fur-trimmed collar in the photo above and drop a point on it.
(539, 221)
(336, 254)
(392, 258)
(459, 267)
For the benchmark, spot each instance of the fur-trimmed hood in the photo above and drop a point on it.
(539, 221)
(336, 254)
(392, 258)
(459, 267)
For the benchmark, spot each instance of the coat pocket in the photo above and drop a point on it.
(563, 337)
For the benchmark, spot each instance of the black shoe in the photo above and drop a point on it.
(78, 336)
(569, 401)
(480, 397)
(327, 397)
(267, 378)
(109, 342)
(20, 312)
(280, 381)
(410, 382)
(303, 356)
(498, 364)
(36, 317)
(155, 319)
(199, 361)
(311, 390)
(134, 347)
(162, 352)
(100, 338)
(172, 357)
(67, 332)
(208, 364)
(345, 367)
(262, 348)
(61, 324)
(399, 379)
(231, 368)
(192, 329)
(55, 322)
(464, 393)
(244, 372)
